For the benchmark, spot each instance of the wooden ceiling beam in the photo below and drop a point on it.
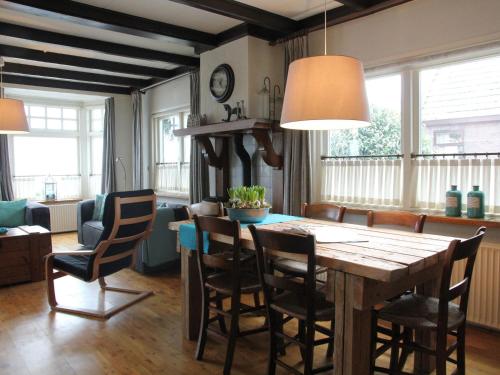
(245, 13)
(59, 84)
(106, 19)
(354, 4)
(42, 71)
(83, 62)
(28, 33)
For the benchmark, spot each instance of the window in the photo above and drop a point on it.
(171, 155)
(55, 151)
(449, 134)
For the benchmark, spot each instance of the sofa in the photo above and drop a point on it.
(156, 253)
(37, 214)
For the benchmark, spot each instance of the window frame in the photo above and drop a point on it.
(183, 113)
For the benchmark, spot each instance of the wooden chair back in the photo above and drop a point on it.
(229, 260)
(458, 250)
(399, 218)
(327, 211)
(289, 246)
(128, 219)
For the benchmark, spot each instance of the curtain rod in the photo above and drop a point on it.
(143, 90)
(397, 156)
(463, 155)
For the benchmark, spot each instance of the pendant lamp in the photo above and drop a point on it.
(12, 116)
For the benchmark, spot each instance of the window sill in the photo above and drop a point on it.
(62, 201)
(163, 194)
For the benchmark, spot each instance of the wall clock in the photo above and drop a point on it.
(222, 83)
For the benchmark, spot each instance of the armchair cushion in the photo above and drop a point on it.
(98, 212)
(37, 214)
(77, 265)
(12, 213)
(85, 210)
(91, 232)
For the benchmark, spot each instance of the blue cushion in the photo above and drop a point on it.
(12, 213)
(99, 207)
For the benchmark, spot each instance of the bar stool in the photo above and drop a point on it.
(297, 298)
(234, 276)
(415, 312)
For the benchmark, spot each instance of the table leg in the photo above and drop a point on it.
(425, 364)
(352, 328)
(191, 294)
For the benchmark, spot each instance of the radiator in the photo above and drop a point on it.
(63, 217)
(484, 298)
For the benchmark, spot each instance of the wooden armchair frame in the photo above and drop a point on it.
(100, 259)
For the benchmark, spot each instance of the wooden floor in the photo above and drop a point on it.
(144, 339)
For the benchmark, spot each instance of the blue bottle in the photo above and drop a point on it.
(475, 203)
(453, 202)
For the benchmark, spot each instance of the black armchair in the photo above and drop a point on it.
(37, 214)
(128, 219)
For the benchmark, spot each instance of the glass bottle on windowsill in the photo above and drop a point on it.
(475, 203)
(453, 202)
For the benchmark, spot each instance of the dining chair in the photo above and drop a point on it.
(128, 219)
(225, 272)
(413, 222)
(396, 218)
(321, 211)
(297, 298)
(440, 315)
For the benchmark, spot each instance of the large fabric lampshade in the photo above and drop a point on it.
(325, 93)
(12, 117)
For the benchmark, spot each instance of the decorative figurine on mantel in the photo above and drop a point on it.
(239, 111)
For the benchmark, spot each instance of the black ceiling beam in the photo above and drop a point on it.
(23, 32)
(344, 14)
(355, 4)
(59, 84)
(246, 29)
(83, 62)
(34, 70)
(245, 13)
(106, 19)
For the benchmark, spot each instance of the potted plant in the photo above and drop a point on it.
(248, 204)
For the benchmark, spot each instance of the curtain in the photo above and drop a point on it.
(296, 152)
(431, 178)
(198, 183)
(6, 191)
(367, 182)
(137, 156)
(108, 157)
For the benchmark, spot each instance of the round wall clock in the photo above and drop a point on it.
(222, 83)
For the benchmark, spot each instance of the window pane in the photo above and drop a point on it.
(54, 112)
(70, 125)
(187, 148)
(53, 124)
(96, 149)
(37, 111)
(35, 156)
(96, 114)
(69, 113)
(170, 151)
(383, 136)
(460, 109)
(97, 125)
(37, 123)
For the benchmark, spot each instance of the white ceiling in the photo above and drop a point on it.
(295, 9)
(56, 94)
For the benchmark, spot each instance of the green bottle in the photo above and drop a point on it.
(475, 203)
(453, 202)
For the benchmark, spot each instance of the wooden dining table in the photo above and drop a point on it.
(380, 264)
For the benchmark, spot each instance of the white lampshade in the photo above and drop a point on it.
(12, 117)
(325, 93)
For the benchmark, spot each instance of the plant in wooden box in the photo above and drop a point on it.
(248, 204)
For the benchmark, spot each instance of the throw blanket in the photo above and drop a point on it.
(187, 232)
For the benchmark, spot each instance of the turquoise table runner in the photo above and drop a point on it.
(187, 232)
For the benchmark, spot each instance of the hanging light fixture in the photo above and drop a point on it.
(12, 116)
(325, 93)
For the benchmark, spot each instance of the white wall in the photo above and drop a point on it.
(414, 29)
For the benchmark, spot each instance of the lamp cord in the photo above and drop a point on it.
(325, 27)
(1, 77)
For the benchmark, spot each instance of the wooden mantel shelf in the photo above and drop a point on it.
(227, 129)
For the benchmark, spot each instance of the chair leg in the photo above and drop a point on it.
(329, 351)
(256, 299)
(273, 344)
(441, 356)
(373, 341)
(308, 361)
(102, 283)
(461, 350)
(220, 317)
(406, 351)
(233, 333)
(202, 337)
(395, 348)
(302, 338)
(49, 274)
(279, 328)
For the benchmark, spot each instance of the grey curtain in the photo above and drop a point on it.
(198, 182)
(297, 184)
(6, 191)
(137, 149)
(108, 184)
